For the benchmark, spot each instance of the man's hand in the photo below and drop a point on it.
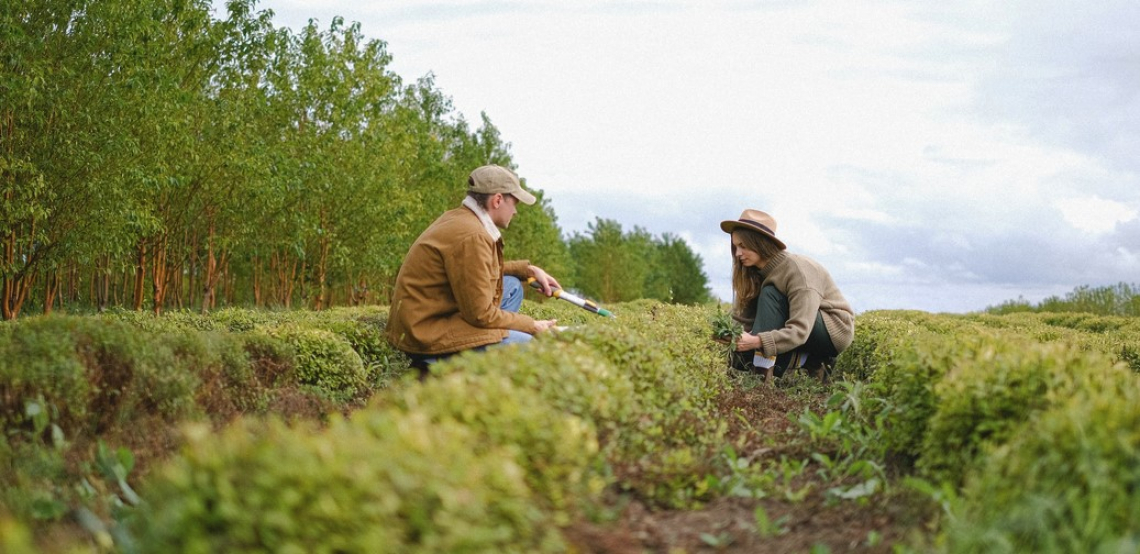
(543, 279)
(543, 325)
(747, 341)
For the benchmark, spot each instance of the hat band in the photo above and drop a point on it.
(760, 225)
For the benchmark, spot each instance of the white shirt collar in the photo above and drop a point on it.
(484, 217)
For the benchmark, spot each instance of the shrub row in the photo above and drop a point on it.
(101, 372)
(385, 480)
(1034, 414)
(64, 378)
(496, 451)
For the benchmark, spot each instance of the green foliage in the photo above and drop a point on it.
(903, 369)
(38, 360)
(646, 384)
(382, 482)
(618, 266)
(724, 328)
(1067, 484)
(1034, 412)
(682, 270)
(1033, 415)
(324, 361)
(97, 373)
(676, 374)
(989, 395)
(558, 451)
(877, 335)
(1121, 299)
(147, 136)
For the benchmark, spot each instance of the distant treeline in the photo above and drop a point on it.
(1121, 299)
(154, 157)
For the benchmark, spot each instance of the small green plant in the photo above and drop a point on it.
(115, 466)
(719, 540)
(742, 479)
(724, 328)
(768, 528)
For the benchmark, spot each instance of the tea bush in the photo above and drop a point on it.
(497, 451)
(324, 361)
(670, 445)
(225, 368)
(877, 334)
(557, 451)
(362, 328)
(990, 392)
(904, 382)
(38, 359)
(384, 481)
(662, 439)
(96, 373)
(14, 537)
(1068, 483)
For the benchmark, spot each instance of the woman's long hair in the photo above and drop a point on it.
(746, 280)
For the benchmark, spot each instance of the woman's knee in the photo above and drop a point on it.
(771, 310)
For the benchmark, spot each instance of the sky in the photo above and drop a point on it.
(932, 155)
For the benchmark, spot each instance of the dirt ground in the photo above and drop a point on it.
(729, 525)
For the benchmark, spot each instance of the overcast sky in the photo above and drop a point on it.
(939, 156)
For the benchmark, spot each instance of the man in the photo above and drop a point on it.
(454, 292)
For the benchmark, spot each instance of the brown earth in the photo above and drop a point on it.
(761, 430)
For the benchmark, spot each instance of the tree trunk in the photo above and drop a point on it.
(140, 275)
(209, 277)
(285, 271)
(50, 291)
(257, 281)
(322, 272)
(192, 273)
(16, 286)
(160, 275)
(102, 283)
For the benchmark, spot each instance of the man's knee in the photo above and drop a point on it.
(512, 294)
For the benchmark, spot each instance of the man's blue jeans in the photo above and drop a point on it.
(512, 302)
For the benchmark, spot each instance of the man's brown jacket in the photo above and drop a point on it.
(449, 288)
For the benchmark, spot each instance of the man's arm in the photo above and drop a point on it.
(473, 281)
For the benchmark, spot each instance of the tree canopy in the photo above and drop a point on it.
(153, 156)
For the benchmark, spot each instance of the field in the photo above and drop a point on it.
(300, 431)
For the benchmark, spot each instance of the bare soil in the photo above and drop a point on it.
(761, 429)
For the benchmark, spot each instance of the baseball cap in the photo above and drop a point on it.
(492, 179)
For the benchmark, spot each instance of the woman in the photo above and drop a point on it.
(797, 316)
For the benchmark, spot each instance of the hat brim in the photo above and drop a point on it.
(732, 225)
(524, 196)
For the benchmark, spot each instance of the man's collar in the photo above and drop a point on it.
(484, 217)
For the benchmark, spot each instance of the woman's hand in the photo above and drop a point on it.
(747, 341)
(543, 325)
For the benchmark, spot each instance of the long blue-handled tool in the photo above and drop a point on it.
(573, 299)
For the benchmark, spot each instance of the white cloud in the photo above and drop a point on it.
(924, 152)
(1093, 214)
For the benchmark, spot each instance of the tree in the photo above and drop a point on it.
(607, 268)
(615, 266)
(683, 270)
